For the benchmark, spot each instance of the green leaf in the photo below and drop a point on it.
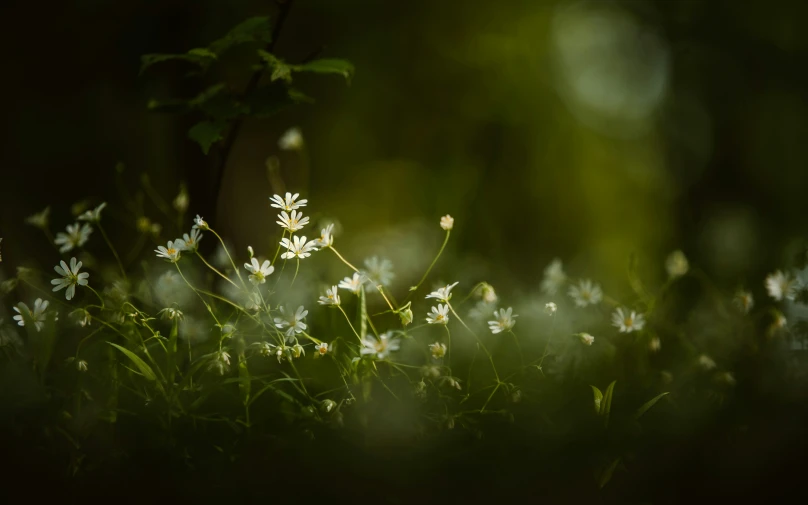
(328, 66)
(141, 365)
(280, 70)
(598, 398)
(606, 403)
(205, 133)
(647, 405)
(256, 29)
(199, 56)
(605, 473)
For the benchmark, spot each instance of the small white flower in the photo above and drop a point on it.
(443, 294)
(293, 222)
(655, 344)
(280, 352)
(298, 351)
(676, 264)
(706, 362)
(381, 347)
(81, 365)
(438, 350)
(82, 317)
(447, 222)
(585, 292)
(291, 140)
(70, 277)
(326, 236)
(586, 338)
(781, 285)
(438, 315)
(379, 271)
(259, 272)
(504, 320)
(352, 284)
(554, 277)
(779, 320)
(743, 301)
(292, 322)
(93, 216)
(172, 313)
(40, 219)
(297, 247)
(171, 252)
(37, 315)
(190, 242)
(488, 294)
(550, 308)
(76, 236)
(627, 321)
(321, 348)
(288, 204)
(200, 223)
(331, 297)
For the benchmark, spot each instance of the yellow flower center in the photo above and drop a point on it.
(171, 251)
(628, 322)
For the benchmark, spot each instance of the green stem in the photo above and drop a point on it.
(238, 273)
(442, 247)
(112, 248)
(223, 276)
(490, 358)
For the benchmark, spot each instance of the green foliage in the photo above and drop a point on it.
(219, 104)
(144, 368)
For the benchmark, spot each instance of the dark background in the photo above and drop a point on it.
(584, 131)
(692, 135)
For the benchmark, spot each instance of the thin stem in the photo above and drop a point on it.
(490, 358)
(96, 294)
(112, 248)
(223, 276)
(378, 287)
(442, 247)
(238, 273)
(206, 304)
(518, 346)
(547, 345)
(297, 268)
(349, 323)
(344, 260)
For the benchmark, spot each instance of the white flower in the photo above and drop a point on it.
(70, 277)
(379, 271)
(585, 292)
(291, 140)
(297, 247)
(438, 315)
(586, 338)
(781, 285)
(200, 223)
(655, 344)
(554, 277)
(37, 315)
(550, 308)
(447, 222)
(676, 264)
(93, 216)
(779, 320)
(627, 321)
(326, 236)
(481, 310)
(76, 236)
(438, 350)
(83, 318)
(706, 362)
(292, 321)
(504, 320)
(190, 242)
(743, 301)
(321, 348)
(293, 222)
(81, 365)
(171, 252)
(40, 219)
(331, 297)
(352, 284)
(297, 351)
(382, 347)
(443, 294)
(288, 204)
(488, 294)
(259, 272)
(171, 313)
